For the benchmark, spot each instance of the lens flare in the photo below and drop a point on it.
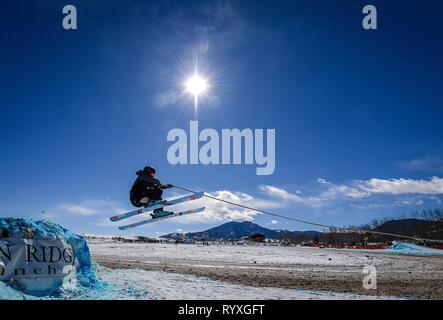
(195, 78)
(196, 85)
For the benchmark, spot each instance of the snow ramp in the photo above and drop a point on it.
(41, 258)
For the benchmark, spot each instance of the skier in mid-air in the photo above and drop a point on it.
(147, 191)
(146, 194)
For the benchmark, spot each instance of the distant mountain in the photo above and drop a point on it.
(238, 230)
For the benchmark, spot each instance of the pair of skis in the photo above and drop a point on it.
(167, 203)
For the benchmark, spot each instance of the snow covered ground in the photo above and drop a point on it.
(141, 284)
(260, 255)
(136, 271)
(265, 269)
(130, 284)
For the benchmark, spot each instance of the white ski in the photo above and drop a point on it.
(172, 215)
(126, 215)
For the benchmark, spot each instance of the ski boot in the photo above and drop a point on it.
(155, 202)
(160, 213)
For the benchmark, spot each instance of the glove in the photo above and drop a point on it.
(167, 186)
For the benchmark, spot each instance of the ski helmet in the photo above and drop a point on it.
(149, 170)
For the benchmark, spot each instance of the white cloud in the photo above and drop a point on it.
(215, 211)
(401, 192)
(90, 207)
(434, 199)
(359, 189)
(342, 190)
(280, 193)
(372, 205)
(402, 186)
(220, 211)
(323, 181)
(283, 195)
(77, 209)
(426, 164)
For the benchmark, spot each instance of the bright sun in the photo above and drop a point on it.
(196, 85)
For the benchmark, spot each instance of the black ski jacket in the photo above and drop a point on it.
(145, 186)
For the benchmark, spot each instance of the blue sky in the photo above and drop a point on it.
(357, 113)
